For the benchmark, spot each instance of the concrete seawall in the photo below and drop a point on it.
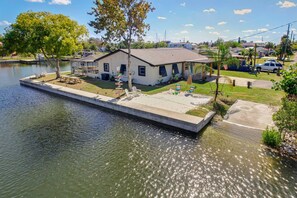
(173, 119)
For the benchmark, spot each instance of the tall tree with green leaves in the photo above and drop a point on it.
(53, 35)
(284, 49)
(121, 20)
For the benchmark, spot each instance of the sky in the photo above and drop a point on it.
(189, 20)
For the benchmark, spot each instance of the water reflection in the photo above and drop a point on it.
(53, 147)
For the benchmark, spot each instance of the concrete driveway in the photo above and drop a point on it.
(250, 114)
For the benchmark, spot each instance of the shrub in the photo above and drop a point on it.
(271, 137)
(286, 117)
(289, 82)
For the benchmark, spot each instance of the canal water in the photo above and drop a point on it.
(54, 147)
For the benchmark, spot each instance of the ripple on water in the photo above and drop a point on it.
(54, 147)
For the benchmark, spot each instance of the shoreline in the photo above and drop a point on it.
(179, 121)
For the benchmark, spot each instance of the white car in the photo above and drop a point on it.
(269, 66)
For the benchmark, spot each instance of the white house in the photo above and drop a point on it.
(148, 66)
(188, 46)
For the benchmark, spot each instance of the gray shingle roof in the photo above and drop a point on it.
(162, 56)
(90, 58)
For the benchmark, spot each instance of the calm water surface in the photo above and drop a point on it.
(53, 147)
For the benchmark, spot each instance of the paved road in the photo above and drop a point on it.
(265, 84)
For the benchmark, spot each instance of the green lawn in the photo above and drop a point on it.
(264, 96)
(107, 88)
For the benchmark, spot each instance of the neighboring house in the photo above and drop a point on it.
(188, 46)
(149, 66)
(252, 44)
(85, 65)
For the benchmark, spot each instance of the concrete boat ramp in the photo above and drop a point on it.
(174, 118)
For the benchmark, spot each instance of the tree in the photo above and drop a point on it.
(221, 56)
(53, 35)
(121, 20)
(269, 46)
(2, 49)
(284, 49)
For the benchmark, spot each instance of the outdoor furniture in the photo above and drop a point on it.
(177, 89)
(135, 91)
(73, 80)
(129, 94)
(191, 90)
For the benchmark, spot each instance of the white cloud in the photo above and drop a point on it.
(222, 23)
(35, 1)
(189, 25)
(263, 30)
(4, 23)
(183, 4)
(209, 28)
(248, 31)
(226, 30)
(162, 18)
(184, 32)
(209, 10)
(243, 11)
(286, 4)
(267, 25)
(214, 33)
(60, 2)
(241, 21)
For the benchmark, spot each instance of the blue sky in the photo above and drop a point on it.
(194, 20)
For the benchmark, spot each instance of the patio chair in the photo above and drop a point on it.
(191, 90)
(135, 91)
(177, 89)
(129, 94)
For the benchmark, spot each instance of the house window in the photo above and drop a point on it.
(141, 70)
(123, 69)
(175, 69)
(106, 67)
(162, 71)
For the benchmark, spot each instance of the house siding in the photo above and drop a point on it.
(152, 73)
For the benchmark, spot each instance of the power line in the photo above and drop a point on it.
(262, 32)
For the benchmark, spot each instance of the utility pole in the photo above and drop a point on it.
(287, 40)
(255, 54)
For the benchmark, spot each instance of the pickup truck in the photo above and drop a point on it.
(269, 66)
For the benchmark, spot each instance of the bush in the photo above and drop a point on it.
(286, 117)
(289, 82)
(271, 137)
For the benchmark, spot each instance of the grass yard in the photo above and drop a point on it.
(107, 88)
(264, 96)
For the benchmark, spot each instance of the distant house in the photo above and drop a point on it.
(188, 46)
(149, 66)
(252, 44)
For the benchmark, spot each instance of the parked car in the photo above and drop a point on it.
(269, 66)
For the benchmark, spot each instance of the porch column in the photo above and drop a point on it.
(183, 69)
